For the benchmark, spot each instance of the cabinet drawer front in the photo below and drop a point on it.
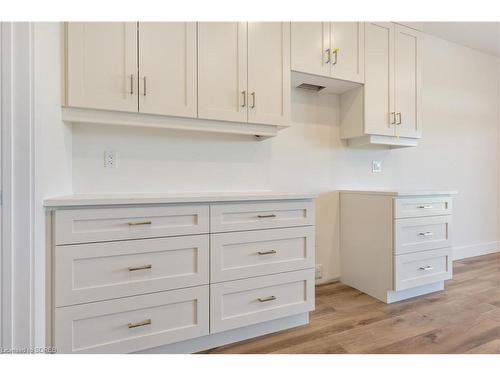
(99, 271)
(255, 253)
(423, 206)
(422, 268)
(108, 224)
(135, 323)
(424, 233)
(245, 302)
(248, 216)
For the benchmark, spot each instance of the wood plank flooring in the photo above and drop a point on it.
(464, 318)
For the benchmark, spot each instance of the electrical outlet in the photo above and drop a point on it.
(319, 271)
(376, 166)
(110, 159)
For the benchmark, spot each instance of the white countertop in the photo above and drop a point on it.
(161, 198)
(401, 192)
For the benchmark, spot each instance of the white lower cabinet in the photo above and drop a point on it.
(396, 245)
(245, 302)
(134, 323)
(129, 278)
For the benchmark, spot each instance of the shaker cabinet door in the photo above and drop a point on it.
(222, 71)
(101, 65)
(167, 68)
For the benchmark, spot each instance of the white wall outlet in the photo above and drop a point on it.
(110, 159)
(319, 271)
(376, 166)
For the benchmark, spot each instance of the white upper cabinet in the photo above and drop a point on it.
(330, 49)
(269, 73)
(167, 68)
(407, 81)
(101, 65)
(310, 47)
(386, 110)
(347, 50)
(222, 71)
(379, 78)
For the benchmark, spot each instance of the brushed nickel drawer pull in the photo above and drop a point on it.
(425, 206)
(140, 223)
(266, 216)
(270, 298)
(336, 55)
(139, 268)
(140, 324)
(253, 100)
(266, 252)
(426, 268)
(425, 234)
(244, 95)
(329, 54)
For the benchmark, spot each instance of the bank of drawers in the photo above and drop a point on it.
(131, 278)
(422, 241)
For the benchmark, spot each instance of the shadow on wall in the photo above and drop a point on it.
(327, 236)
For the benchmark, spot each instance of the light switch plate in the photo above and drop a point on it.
(376, 166)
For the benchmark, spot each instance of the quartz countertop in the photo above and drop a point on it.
(163, 198)
(401, 192)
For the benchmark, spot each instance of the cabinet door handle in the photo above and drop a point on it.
(140, 268)
(146, 322)
(399, 117)
(392, 120)
(265, 299)
(253, 99)
(426, 268)
(336, 55)
(244, 94)
(329, 54)
(131, 84)
(426, 234)
(266, 216)
(266, 252)
(425, 206)
(139, 223)
(144, 79)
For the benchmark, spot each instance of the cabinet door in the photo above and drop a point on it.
(167, 68)
(407, 81)
(269, 73)
(310, 42)
(222, 71)
(347, 40)
(379, 78)
(102, 65)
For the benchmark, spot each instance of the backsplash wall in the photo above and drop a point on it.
(459, 151)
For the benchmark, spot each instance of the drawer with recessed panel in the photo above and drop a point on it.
(423, 233)
(237, 255)
(125, 223)
(425, 267)
(99, 271)
(260, 215)
(422, 206)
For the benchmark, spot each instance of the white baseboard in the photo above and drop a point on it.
(462, 252)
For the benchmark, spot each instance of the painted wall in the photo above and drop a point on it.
(52, 150)
(458, 151)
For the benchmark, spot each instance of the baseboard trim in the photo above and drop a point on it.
(462, 252)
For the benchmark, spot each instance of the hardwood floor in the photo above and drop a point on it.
(464, 318)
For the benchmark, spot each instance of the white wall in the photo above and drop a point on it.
(458, 151)
(52, 152)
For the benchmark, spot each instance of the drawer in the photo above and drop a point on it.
(422, 206)
(260, 215)
(245, 302)
(99, 271)
(135, 323)
(422, 268)
(124, 223)
(424, 233)
(255, 253)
